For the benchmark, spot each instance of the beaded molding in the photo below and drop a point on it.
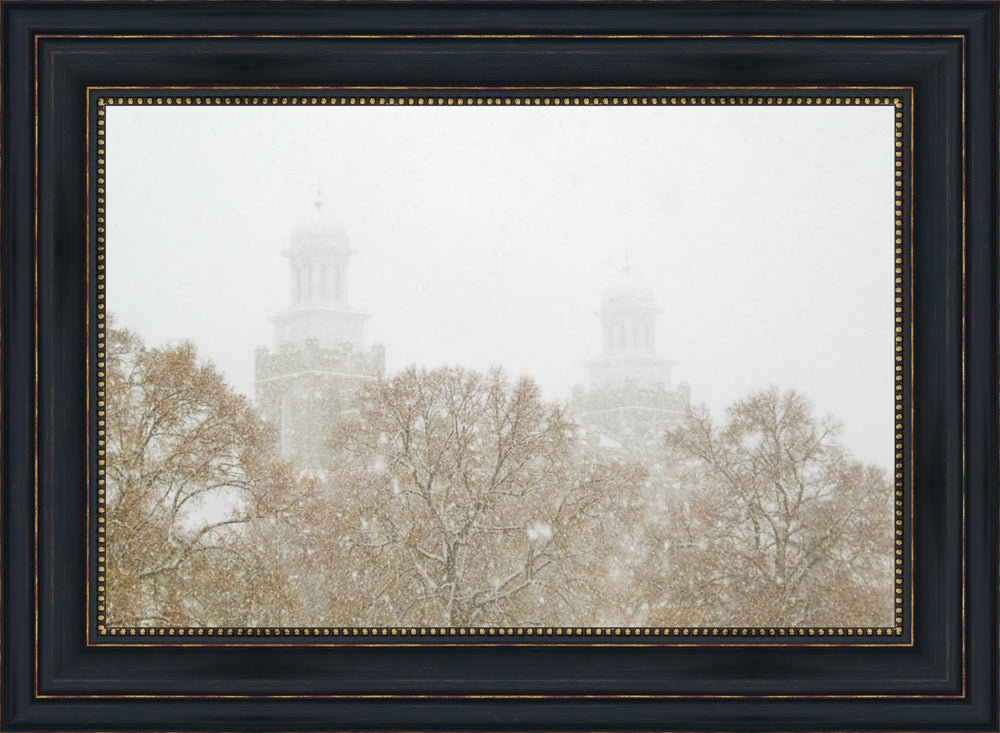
(382, 99)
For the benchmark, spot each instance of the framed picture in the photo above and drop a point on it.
(508, 366)
(475, 448)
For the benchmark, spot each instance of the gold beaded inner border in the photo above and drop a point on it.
(96, 184)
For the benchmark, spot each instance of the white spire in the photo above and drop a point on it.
(318, 258)
(628, 316)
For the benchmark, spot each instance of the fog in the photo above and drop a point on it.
(487, 235)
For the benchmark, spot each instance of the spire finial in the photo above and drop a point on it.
(626, 261)
(319, 196)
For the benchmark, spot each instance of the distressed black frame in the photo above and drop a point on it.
(52, 677)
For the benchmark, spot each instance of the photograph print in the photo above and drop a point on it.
(488, 365)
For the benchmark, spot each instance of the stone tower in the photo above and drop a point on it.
(319, 361)
(631, 402)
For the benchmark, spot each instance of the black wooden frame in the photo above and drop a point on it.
(53, 678)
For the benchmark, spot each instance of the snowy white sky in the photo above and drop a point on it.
(487, 235)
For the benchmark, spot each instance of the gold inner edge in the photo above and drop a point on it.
(457, 98)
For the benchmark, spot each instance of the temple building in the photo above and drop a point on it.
(631, 402)
(320, 358)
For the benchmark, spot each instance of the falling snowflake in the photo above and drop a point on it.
(539, 532)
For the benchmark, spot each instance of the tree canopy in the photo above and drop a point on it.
(193, 486)
(449, 497)
(464, 499)
(774, 524)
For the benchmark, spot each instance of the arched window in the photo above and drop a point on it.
(338, 282)
(649, 336)
(607, 337)
(297, 276)
(322, 281)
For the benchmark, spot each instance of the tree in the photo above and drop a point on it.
(776, 525)
(194, 491)
(457, 498)
(461, 499)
